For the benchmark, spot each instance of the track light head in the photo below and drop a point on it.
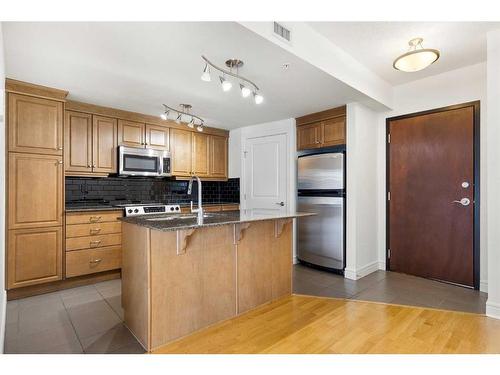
(245, 91)
(163, 116)
(206, 74)
(226, 85)
(258, 98)
(191, 123)
(178, 119)
(199, 128)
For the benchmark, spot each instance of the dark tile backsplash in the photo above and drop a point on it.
(116, 189)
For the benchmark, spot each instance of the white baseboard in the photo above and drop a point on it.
(3, 318)
(295, 260)
(493, 309)
(483, 286)
(356, 274)
(381, 265)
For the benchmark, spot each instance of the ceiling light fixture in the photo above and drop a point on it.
(184, 112)
(417, 58)
(233, 64)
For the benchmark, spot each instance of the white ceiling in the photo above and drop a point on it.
(377, 44)
(139, 66)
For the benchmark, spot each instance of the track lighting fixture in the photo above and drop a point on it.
(247, 87)
(184, 114)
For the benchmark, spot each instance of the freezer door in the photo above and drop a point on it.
(321, 171)
(321, 237)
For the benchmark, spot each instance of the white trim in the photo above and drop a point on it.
(356, 274)
(295, 260)
(382, 265)
(483, 286)
(350, 274)
(493, 309)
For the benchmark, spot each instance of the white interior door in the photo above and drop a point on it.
(265, 168)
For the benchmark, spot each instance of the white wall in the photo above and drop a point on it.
(236, 169)
(361, 190)
(493, 178)
(453, 87)
(3, 293)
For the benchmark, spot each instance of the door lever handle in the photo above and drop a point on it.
(280, 203)
(463, 201)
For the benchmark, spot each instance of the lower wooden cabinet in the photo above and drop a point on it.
(93, 242)
(84, 262)
(34, 256)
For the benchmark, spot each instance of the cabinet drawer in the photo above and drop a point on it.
(230, 207)
(92, 242)
(81, 230)
(83, 262)
(92, 217)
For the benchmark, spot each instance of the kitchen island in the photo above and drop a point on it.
(180, 275)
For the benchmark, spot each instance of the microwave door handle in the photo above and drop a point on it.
(160, 166)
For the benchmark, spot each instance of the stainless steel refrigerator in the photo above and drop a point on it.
(321, 190)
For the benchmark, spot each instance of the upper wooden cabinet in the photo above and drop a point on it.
(104, 141)
(35, 125)
(157, 137)
(35, 195)
(90, 144)
(218, 156)
(131, 133)
(181, 144)
(201, 154)
(322, 129)
(77, 142)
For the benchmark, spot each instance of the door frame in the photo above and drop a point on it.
(476, 250)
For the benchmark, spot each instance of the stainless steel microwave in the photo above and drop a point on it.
(143, 162)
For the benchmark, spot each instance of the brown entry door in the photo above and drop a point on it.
(431, 206)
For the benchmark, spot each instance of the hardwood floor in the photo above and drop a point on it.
(305, 324)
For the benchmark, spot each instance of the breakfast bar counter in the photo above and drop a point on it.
(180, 275)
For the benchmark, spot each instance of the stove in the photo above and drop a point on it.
(151, 209)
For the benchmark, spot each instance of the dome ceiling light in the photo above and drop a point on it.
(247, 87)
(183, 115)
(417, 58)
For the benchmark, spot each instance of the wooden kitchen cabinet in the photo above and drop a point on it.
(201, 154)
(322, 129)
(157, 137)
(34, 256)
(90, 144)
(218, 156)
(104, 141)
(131, 133)
(35, 194)
(181, 144)
(35, 125)
(77, 142)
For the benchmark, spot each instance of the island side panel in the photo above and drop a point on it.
(255, 264)
(282, 259)
(135, 281)
(192, 287)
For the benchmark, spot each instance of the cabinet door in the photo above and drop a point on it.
(34, 256)
(308, 136)
(35, 125)
(157, 137)
(131, 133)
(201, 154)
(181, 145)
(218, 157)
(104, 143)
(333, 132)
(35, 197)
(77, 142)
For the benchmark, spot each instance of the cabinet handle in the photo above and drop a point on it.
(59, 162)
(95, 230)
(95, 261)
(89, 166)
(95, 243)
(93, 165)
(95, 219)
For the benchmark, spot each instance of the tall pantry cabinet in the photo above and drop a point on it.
(35, 194)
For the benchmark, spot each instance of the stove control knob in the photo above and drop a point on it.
(136, 210)
(129, 211)
(177, 208)
(171, 208)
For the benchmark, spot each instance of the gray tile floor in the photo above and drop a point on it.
(389, 287)
(89, 319)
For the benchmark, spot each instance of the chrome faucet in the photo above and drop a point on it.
(198, 210)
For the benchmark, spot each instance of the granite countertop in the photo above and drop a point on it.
(188, 221)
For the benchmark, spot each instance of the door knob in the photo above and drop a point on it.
(280, 203)
(463, 201)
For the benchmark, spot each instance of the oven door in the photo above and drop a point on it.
(139, 162)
